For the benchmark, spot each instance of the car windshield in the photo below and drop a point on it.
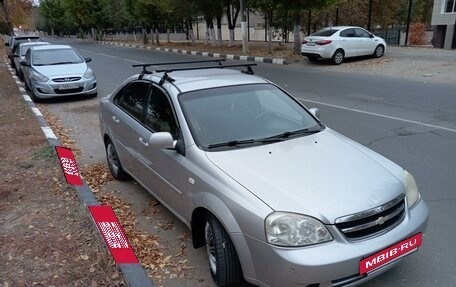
(56, 57)
(244, 115)
(24, 49)
(324, 32)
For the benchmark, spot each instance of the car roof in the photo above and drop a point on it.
(192, 80)
(25, 37)
(342, 27)
(51, 47)
(33, 43)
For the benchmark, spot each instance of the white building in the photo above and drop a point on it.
(444, 21)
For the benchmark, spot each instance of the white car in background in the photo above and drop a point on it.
(340, 42)
(19, 56)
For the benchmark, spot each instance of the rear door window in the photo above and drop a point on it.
(132, 98)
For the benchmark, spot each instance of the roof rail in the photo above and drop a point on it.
(220, 66)
(179, 63)
(145, 71)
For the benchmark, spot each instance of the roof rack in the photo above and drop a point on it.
(166, 77)
(220, 66)
(145, 71)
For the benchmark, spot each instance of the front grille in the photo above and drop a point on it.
(66, 80)
(372, 221)
(69, 91)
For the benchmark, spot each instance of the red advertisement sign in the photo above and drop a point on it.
(69, 166)
(390, 254)
(113, 234)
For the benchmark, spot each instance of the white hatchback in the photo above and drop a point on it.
(340, 42)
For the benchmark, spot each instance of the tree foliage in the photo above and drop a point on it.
(14, 13)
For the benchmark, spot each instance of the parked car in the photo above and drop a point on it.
(340, 42)
(19, 56)
(275, 196)
(57, 71)
(14, 42)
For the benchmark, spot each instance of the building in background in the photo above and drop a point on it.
(444, 21)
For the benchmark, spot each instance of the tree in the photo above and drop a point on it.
(14, 13)
(232, 12)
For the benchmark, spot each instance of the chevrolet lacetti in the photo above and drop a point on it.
(276, 197)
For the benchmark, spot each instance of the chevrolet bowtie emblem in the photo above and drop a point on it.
(380, 220)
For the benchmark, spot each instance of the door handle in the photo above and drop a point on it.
(116, 119)
(143, 142)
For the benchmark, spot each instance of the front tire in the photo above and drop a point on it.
(223, 260)
(379, 51)
(338, 57)
(114, 162)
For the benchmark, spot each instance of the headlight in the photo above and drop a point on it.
(39, 77)
(89, 74)
(411, 189)
(291, 230)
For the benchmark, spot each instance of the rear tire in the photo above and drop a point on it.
(338, 57)
(379, 51)
(114, 162)
(223, 260)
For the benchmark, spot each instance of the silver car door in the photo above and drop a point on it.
(124, 119)
(166, 165)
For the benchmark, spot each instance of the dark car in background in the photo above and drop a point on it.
(14, 42)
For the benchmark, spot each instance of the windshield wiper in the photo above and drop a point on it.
(287, 134)
(243, 142)
(61, 63)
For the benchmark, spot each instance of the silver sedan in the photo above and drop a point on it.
(276, 197)
(57, 71)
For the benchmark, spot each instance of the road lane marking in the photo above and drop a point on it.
(133, 61)
(381, 115)
(108, 55)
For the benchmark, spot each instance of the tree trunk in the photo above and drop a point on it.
(231, 43)
(219, 31)
(297, 35)
(157, 38)
(269, 29)
(144, 34)
(8, 25)
(168, 39)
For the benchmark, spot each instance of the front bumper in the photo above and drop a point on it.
(335, 263)
(51, 89)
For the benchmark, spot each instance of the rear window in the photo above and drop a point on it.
(324, 32)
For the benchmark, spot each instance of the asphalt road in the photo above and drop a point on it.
(412, 123)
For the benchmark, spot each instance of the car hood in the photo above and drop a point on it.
(324, 175)
(62, 70)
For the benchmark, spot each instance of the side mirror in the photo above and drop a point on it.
(88, 60)
(162, 140)
(315, 112)
(23, 63)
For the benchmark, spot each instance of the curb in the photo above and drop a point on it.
(195, 53)
(134, 274)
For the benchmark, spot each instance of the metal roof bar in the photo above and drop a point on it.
(248, 66)
(179, 63)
